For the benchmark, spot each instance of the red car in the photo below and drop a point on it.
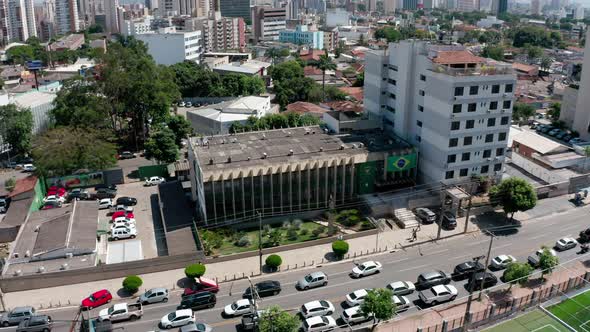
(97, 299)
(58, 192)
(118, 214)
(203, 285)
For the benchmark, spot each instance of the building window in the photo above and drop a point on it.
(390, 109)
(392, 95)
(493, 105)
(508, 89)
(421, 92)
(497, 167)
(485, 169)
(392, 82)
(496, 88)
(473, 90)
(487, 153)
(455, 125)
(467, 140)
(491, 122)
(506, 104)
(419, 123)
(465, 156)
(463, 172)
(451, 158)
(504, 120)
(472, 107)
(469, 124)
(501, 137)
(450, 175)
(499, 151)
(393, 67)
(422, 78)
(457, 108)
(459, 90)
(420, 108)
(418, 138)
(489, 138)
(453, 142)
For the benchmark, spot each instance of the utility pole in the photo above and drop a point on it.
(259, 239)
(487, 262)
(467, 319)
(442, 211)
(468, 208)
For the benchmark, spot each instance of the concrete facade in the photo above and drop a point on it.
(267, 22)
(302, 36)
(222, 33)
(66, 17)
(582, 117)
(168, 46)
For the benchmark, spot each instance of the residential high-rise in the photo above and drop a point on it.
(87, 10)
(372, 5)
(221, 33)
(454, 106)
(267, 22)
(236, 8)
(17, 20)
(294, 8)
(66, 17)
(410, 4)
(389, 6)
(582, 116)
(111, 16)
(466, 5)
(536, 7)
(502, 6)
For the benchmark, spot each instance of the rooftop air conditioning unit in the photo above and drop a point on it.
(264, 155)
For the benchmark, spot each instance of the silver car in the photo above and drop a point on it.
(312, 280)
(196, 327)
(154, 295)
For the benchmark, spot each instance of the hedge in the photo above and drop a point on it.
(195, 271)
(132, 283)
(274, 261)
(340, 248)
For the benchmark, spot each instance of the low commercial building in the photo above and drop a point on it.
(250, 67)
(169, 46)
(302, 36)
(285, 171)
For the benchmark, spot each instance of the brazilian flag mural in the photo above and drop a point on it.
(401, 163)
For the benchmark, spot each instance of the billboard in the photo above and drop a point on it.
(401, 163)
(34, 65)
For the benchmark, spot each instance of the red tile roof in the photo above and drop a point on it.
(302, 107)
(313, 55)
(456, 57)
(310, 70)
(23, 185)
(345, 106)
(524, 67)
(356, 92)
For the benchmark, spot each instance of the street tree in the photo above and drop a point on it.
(64, 150)
(521, 112)
(554, 111)
(275, 319)
(16, 127)
(161, 146)
(547, 262)
(378, 304)
(513, 194)
(195, 271)
(324, 63)
(494, 52)
(180, 127)
(546, 63)
(517, 273)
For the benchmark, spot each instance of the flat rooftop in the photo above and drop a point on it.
(286, 146)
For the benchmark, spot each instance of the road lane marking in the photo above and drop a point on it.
(436, 252)
(396, 261)
(415, 267)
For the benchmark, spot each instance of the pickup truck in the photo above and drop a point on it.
(438, 294)
(120, 312)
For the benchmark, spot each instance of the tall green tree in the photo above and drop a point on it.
(517, 273)
(391, 34)
(180, 127)
(161, 146)
(547, 262)
(494, 52)
(379, 304)
(16, 126)
(513, 194)
(324, 63)
(546, 63)
(275, 319)
(554, 111)
(521, 112)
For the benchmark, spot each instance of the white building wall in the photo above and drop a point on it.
(582, 117)
(175, 47)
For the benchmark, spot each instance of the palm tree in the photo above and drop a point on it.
(324, 63)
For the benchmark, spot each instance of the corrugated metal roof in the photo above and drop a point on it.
(539, 143)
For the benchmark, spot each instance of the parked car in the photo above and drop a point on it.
(78, 194)
(117, 208)
(16, 315)
(40, 323)
(120, 312)
(488, 279)
(54, 198)
(105, 203)
(317, 308)
(123, 233)
(401, 303)
(105, 193)
(51, 205)
(438, 294)
(584, 235)
(196, 327)
(547, 129)
(105, 186)
(566, 138)
(198, 301)
(466, 269)
(123, 223)
(432, 278)
(561, 135)
(575, 140)
(264, 288)
(127, 201)
(449, 222)
(312, 280)
(28, 168)
(357, 297)
(238, 308)
(154, 295)
(425, 215)
(181, 104)
(154, 180)
(565, 243)
(502, 261)
(57, 191)
(177, 318)
(189, 104)
(3, 205)
(402, 287)
(119, 214)
(97, 299)
(366, 269)
(203, 285)
(534, 260)
(126, 155)
(354, 315)
(319, 323)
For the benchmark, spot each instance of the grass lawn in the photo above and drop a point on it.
(575, 311)
(228, 246)
(535, 321)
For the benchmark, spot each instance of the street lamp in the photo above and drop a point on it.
(259, 239)
(467, 319)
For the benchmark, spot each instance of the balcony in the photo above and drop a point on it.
(481, 70)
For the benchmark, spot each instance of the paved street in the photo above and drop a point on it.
(401, 265)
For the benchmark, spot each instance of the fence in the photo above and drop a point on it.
(536, 170)
(153, 170)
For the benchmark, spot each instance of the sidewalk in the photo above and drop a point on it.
(390, 239)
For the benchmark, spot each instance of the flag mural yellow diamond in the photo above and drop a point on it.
(401, 163)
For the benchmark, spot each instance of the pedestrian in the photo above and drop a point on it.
(414, 234)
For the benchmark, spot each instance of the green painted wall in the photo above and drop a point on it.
(365, 175)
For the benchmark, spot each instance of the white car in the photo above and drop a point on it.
(366, 269)
(240, 307)
(502, 261)
(123, 219)
(154, 180)
(123, 233)
(177, 318)
(438, 294)
(105, 203)
(354, 315)
(29, 168)
(356, 298)
(122, 224)
(319, 323)
(317, 308)
(565, 243)
(402, 287)
(401, 303)
(54, 198)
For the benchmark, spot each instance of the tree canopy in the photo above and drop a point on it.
(378, 304)
(494, 52)
(521, 112)
(180, 126)
(391, 34)
(535, 36)
(16, 127)
(514, 194)
(161, 146)
(275, 319)
(517, 273)
(274, 121)
(547, 261)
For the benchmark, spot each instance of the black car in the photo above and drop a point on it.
(264, 288)
(198, 301)
(78, 194)
(488, 278)
(41, 323)
(449, 221)
(466, 269)
(432, 278)
(584, 236)
(127, 201)
(105, 186)
(105, 193)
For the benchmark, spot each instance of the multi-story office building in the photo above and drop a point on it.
(132, 27)
(222, 33)
(455, 107)
(66, 17)
(389, 6)
(291, 170)
(582, 115)
(168, 46)
(267, 22)
(302, 36)
(410, 4)
(17, 20)
(236, 8)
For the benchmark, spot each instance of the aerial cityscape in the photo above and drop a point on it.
(294, 165)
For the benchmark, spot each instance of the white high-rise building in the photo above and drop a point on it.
(389, 6)
(17, 20)
(66, 17)
(168, 46)
(582, 116)
(455, 107)
(111, 16)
